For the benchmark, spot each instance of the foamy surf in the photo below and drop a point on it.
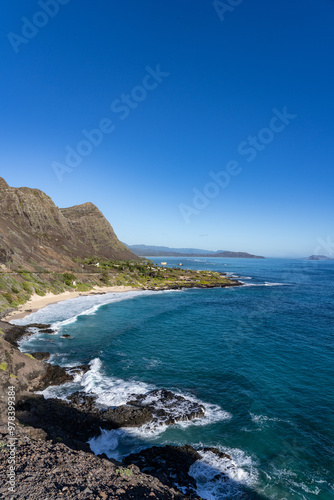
(302, 489)
(264, 419)
(116, 443)
(67, 311)
(263, 284)
(222, 477)
(113, 391)
(110, 391)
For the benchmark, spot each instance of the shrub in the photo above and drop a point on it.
(27, 276)
(124, 471)
(7, 296)
(104, 277)
(27, 287)
(84, 287)
(69, 278)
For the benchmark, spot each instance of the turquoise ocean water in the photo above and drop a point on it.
(260, 358)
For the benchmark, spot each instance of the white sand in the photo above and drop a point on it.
(37, 302)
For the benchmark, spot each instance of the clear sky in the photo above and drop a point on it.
(206, 124)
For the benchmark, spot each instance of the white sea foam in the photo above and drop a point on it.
(213, 413)
(113, 391)
(57, 325)
(288, 477)
(264, 284)
(313, 491)
(264, 419)
(110, 391)
(59, 391)
(117, 443)
(147, 432)
(276, 284)
(219, 478)
(152, 362)
(67, 311)
(29, 339)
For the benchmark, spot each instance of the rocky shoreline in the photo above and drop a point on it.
(53, 458)
(36, 302)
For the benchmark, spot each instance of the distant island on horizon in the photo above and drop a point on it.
(161, 251)
(319, 257)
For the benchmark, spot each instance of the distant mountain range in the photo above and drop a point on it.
(160, 251)
(35, 233)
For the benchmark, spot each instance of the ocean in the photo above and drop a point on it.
(259, 357)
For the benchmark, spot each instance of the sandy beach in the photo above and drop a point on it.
(37, 302)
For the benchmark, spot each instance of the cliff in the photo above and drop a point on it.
(35, 233)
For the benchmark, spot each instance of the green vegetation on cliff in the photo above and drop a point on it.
(17, 287)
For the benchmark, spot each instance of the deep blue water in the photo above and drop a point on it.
(260, 357)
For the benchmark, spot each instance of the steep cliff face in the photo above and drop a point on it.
(35, 232)
(86, 221)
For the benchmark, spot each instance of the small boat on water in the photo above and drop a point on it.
(180, 264)
(163, 263)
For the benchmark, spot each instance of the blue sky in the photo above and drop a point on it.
(180, 91)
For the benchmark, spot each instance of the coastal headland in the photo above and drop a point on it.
(23, 292)
(51, 435)
(47, 255)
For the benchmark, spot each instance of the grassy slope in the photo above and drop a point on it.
(16, 288)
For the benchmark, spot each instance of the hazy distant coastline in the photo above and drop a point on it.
(161, 251)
